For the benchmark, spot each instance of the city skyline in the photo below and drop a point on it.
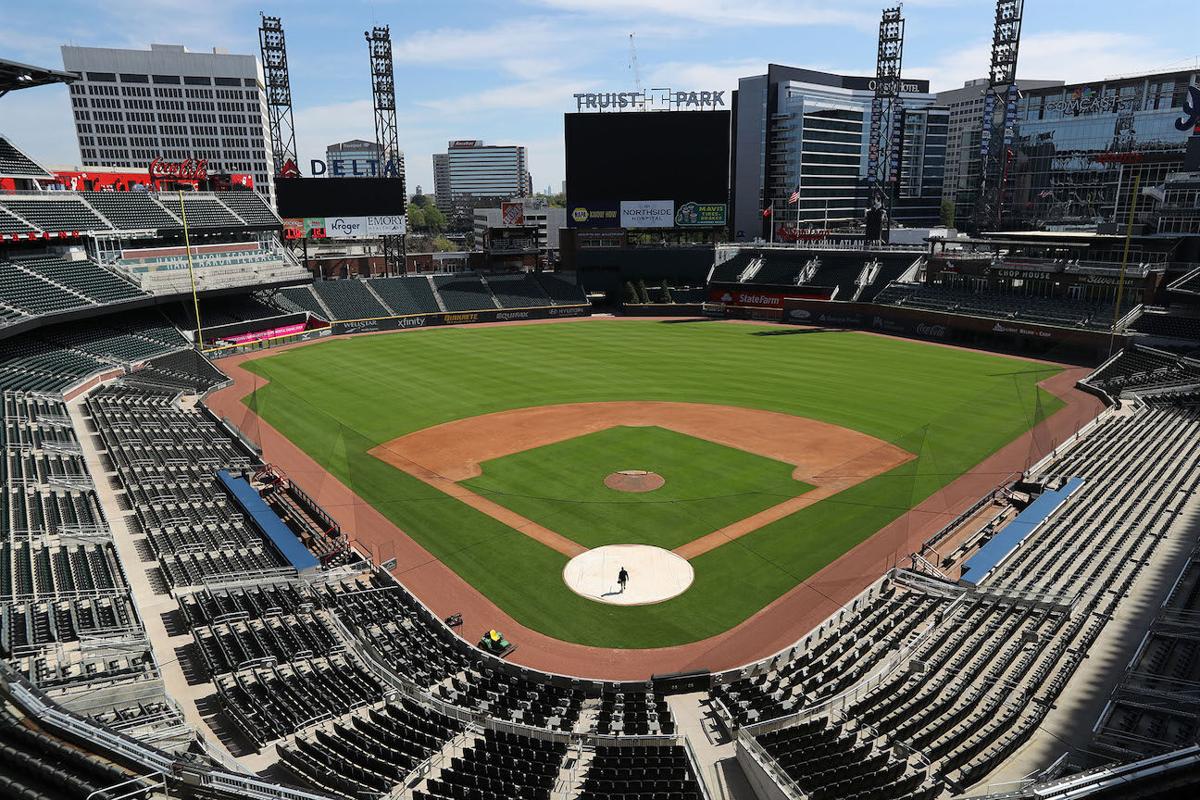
(508, 81)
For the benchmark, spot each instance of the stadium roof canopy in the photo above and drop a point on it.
(15, 75)
(15, 164)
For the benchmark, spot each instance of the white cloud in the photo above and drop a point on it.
(728, 12)
(1072, 56)
(39, 122)
(543, 93)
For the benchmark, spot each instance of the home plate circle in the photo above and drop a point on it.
(655, 574)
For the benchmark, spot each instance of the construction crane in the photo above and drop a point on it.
(633, 64)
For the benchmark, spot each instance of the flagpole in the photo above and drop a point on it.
(799, 184)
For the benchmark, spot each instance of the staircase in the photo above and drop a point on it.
(379, 299)
(436, 295)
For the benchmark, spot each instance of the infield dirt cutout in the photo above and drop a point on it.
(828, 457)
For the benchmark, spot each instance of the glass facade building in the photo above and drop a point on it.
(802, 130)
(1079, 150)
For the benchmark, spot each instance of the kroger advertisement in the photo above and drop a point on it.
(345, 227)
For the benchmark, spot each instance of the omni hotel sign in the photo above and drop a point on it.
(649, 100)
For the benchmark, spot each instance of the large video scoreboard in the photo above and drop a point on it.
(647, 170)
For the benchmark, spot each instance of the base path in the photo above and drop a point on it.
(655, 574)
(829, 457)
(778, 625)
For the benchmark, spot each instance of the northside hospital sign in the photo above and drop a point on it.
(649, 100)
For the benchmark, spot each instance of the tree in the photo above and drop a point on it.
(435, 220)
(631, 295)
(442, 245)
(664, 294)
(643, 295)
(948, 213)
(417, 221)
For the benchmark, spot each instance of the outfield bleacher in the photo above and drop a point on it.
(463, 291)
(1061, 311)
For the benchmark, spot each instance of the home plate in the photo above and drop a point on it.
(655, 574)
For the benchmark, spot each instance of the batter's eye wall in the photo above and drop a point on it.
(649, 155)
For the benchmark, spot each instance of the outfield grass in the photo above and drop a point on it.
(708, 486)
(950, 407)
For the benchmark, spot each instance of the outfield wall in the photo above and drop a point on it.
(458, 318)
(986, 333)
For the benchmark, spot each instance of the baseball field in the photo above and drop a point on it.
(780, 448)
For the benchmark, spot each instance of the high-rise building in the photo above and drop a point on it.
(799, 130)
(966, 129)
(358, 158)
(1079, 150)
(471, 174)
(133, 106)
(441, 182)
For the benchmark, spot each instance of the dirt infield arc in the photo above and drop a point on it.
(829, 457)
(771, 629)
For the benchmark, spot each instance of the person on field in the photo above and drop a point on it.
(622, 579)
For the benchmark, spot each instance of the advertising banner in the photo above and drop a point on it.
(293, 228)
(701, 215)
(512, 214)
(314, 227)
(390, 225)
(647, 213)
(270, 333)
(594, 215)
(345, 227)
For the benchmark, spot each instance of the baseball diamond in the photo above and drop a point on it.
(466, 461)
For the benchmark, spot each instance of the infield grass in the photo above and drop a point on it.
(708, 486)
(951, 408)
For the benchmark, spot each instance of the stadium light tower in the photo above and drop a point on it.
(994, 157)
(279, 94)
(887, 113)
(383, 93)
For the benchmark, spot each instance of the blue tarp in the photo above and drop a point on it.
(1007, 540)
(268, 523)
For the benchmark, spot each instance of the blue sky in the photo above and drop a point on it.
(505, 71)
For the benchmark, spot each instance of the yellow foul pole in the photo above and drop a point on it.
(187, 244)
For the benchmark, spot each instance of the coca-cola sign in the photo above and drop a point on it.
(192, 169)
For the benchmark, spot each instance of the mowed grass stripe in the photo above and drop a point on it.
(708, 486)
(338, 399)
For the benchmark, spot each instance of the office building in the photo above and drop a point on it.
(134, 106)
(441, 182)
(1078, 150)
(471, 174)
(799, 129)
(965, 106)
(358, 158)
(548, 220)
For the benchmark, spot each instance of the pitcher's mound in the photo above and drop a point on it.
(655, 574)
(634, 480)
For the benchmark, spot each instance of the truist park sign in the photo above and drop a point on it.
(649, 100)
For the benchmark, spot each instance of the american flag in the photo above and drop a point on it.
(794, 197)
